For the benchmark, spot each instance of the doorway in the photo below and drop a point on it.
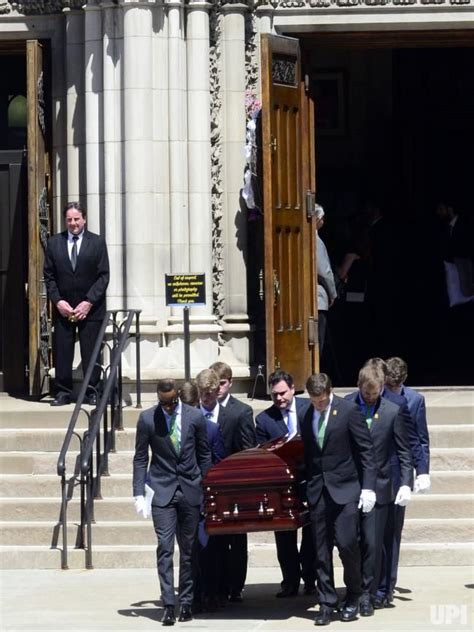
(394, 137)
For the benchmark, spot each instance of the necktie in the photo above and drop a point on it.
(74, 252)
(174, 433)
(368, 415)
(321, 428)
(290, 422)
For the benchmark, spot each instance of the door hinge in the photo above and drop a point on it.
(273, 144)
(310, 204)
(312, 331)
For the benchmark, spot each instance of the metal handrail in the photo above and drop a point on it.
(111, 396)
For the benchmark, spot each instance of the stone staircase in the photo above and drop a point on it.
(438, 527)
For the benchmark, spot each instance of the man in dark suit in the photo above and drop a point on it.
(397, 373)
(340, 474)
(236, 545)
(283, 418)
(388, 433)
(76, 273)
(174, 435)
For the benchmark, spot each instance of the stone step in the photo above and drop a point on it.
(50, 440)
(109, 509)
(141, 532)
(260, 555)
(452, 436)
(35, 462)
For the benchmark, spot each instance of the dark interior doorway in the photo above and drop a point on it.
(401, 141)
(13, 224)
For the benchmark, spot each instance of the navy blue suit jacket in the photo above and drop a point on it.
(417, 408)
(389, 436)
(271, 425)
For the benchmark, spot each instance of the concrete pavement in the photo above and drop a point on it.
(429, 598)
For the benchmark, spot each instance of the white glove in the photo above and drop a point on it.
(140, 506)
(367, 500)
(403, 496)
(422, 483)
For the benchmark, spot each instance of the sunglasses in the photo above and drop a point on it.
(169, 402)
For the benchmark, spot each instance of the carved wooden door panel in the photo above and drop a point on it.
(39, 195)
(289, 231)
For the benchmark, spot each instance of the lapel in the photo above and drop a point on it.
(63, 251)
(378, 421)
(184, 427)
(85, 245)
(277, 416)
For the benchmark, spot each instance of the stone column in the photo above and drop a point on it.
(178, 146)
(94, 111)
(112, 44)
(199, 146)
(75, 133)
(141, 225)
(236, 327)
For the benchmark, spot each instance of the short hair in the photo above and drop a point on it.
(189, 393)
(166, 385)
(371, 375)
(207, 380)
(77, 207)
(397, 370)
(318, 384)
(377, 363)
(278, 376)
(223, 370)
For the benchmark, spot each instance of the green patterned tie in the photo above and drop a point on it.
(321, 428)
(174, 433)
(368, 416)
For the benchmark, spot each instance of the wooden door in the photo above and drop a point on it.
(39, 195)
(289, 230)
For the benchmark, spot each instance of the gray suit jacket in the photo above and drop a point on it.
(157, 462)
(326, 285)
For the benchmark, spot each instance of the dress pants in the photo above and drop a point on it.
(64, 341)
(235, 551)
(372, 528)
(331, 523)
(391, 550)
(179, 519)
(295, 566)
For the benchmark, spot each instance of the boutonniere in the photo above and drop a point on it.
(376, 416)
(334, 412)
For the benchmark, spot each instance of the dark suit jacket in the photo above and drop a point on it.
(418, 460)
(271, 425)
(238, 417)
(167, 469)
(389, 436)
(90, 279)
(347, 449)
(417, 409)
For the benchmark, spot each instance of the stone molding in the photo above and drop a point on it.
(45, 7)
(215, 59)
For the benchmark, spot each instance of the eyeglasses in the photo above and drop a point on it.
(169, 402)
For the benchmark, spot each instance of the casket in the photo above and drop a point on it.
(257, 490)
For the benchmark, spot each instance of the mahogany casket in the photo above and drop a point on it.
(257, 490)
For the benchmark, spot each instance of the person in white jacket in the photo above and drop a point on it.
(326, 284)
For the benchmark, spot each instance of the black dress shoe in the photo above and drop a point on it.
(323, 616)
(236, 597)
(366, 608)
(349, 612)
(61, 400)
(168, 617)
(185, 614)
(379, 603)
(285, 593)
